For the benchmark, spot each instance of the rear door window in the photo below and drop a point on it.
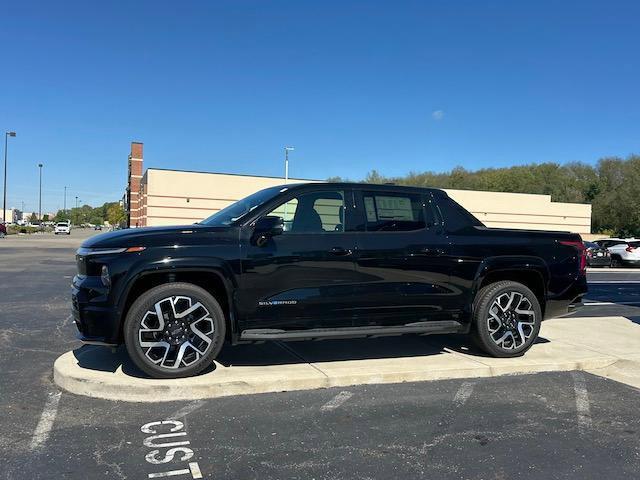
(393, 212)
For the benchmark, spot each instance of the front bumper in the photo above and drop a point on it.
(98, 322)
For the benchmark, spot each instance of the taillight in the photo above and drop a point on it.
(579, 245)
(630, 249)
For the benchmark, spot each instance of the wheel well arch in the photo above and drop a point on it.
(530, 278)
(210, 280)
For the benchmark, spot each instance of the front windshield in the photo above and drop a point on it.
(233, 212)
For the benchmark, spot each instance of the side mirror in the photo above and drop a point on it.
(267, 227)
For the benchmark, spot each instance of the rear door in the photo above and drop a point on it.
(402, 260)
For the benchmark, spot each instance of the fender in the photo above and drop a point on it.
(147, 265)
(511, 263)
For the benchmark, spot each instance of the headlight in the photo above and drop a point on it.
(104, 276)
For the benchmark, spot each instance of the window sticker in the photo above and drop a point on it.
(394, 208)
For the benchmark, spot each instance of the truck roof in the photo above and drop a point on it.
(368, 186)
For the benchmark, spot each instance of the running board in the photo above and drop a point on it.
(423, 328)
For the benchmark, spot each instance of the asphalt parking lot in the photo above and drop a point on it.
(552, 425)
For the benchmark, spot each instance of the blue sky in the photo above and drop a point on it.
(354, 86)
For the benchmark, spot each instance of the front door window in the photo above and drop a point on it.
(315, 212)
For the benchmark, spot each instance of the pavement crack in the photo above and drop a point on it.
(115, 468)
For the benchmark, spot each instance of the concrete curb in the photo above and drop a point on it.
(268, 368)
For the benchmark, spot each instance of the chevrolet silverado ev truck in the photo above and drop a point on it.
(318, 261)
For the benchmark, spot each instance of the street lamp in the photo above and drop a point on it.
(40, 196)
(64, 208)
(286, 162)
(4, 203)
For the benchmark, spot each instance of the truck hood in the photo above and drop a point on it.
(152, 236)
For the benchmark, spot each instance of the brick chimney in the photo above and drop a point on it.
(133, 186)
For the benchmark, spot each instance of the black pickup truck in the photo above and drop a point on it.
(321, 260)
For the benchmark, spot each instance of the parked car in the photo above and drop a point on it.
(610, 242)
(597, 256)
(625, 254)
(3, 230)
(62, 228)
(97, 227)
(356, 260)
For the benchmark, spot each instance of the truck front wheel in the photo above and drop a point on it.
(506, 319)
(174, 330)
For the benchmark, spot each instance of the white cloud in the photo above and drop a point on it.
(438, 115)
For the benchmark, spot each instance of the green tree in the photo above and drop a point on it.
(116, 214)
(612, 186)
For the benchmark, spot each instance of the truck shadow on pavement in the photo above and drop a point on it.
(285, 353)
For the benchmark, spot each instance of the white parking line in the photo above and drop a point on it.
(598, 304)
(610, 270)
(336, 401)
(582, 401)
(47, 418)
(463, 393)
(598, 282)
(187, 409)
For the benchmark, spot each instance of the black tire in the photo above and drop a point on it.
(173, 332)
(511, 326)
(616, 261)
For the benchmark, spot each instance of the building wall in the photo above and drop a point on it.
(10, 215)
(172, 197)
(524, 211)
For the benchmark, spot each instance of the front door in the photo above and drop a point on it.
(303, 278)
(403, 261)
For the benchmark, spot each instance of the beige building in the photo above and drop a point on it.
(172, 197)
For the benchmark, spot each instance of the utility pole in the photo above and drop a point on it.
(64, 209)
(4, 202)
(40, 196)
(286, 163)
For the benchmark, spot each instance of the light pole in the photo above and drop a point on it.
(40, 196)
(286, 162)
(64, 208)
(4, 202)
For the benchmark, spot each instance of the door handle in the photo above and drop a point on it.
(340, 251)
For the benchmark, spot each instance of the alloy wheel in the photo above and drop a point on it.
(176, 333)
(511, 320)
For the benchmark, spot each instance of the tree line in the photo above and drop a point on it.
(612, 187)
(111, 212)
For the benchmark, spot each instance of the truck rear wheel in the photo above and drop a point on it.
(506, 319)
(174, 330)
